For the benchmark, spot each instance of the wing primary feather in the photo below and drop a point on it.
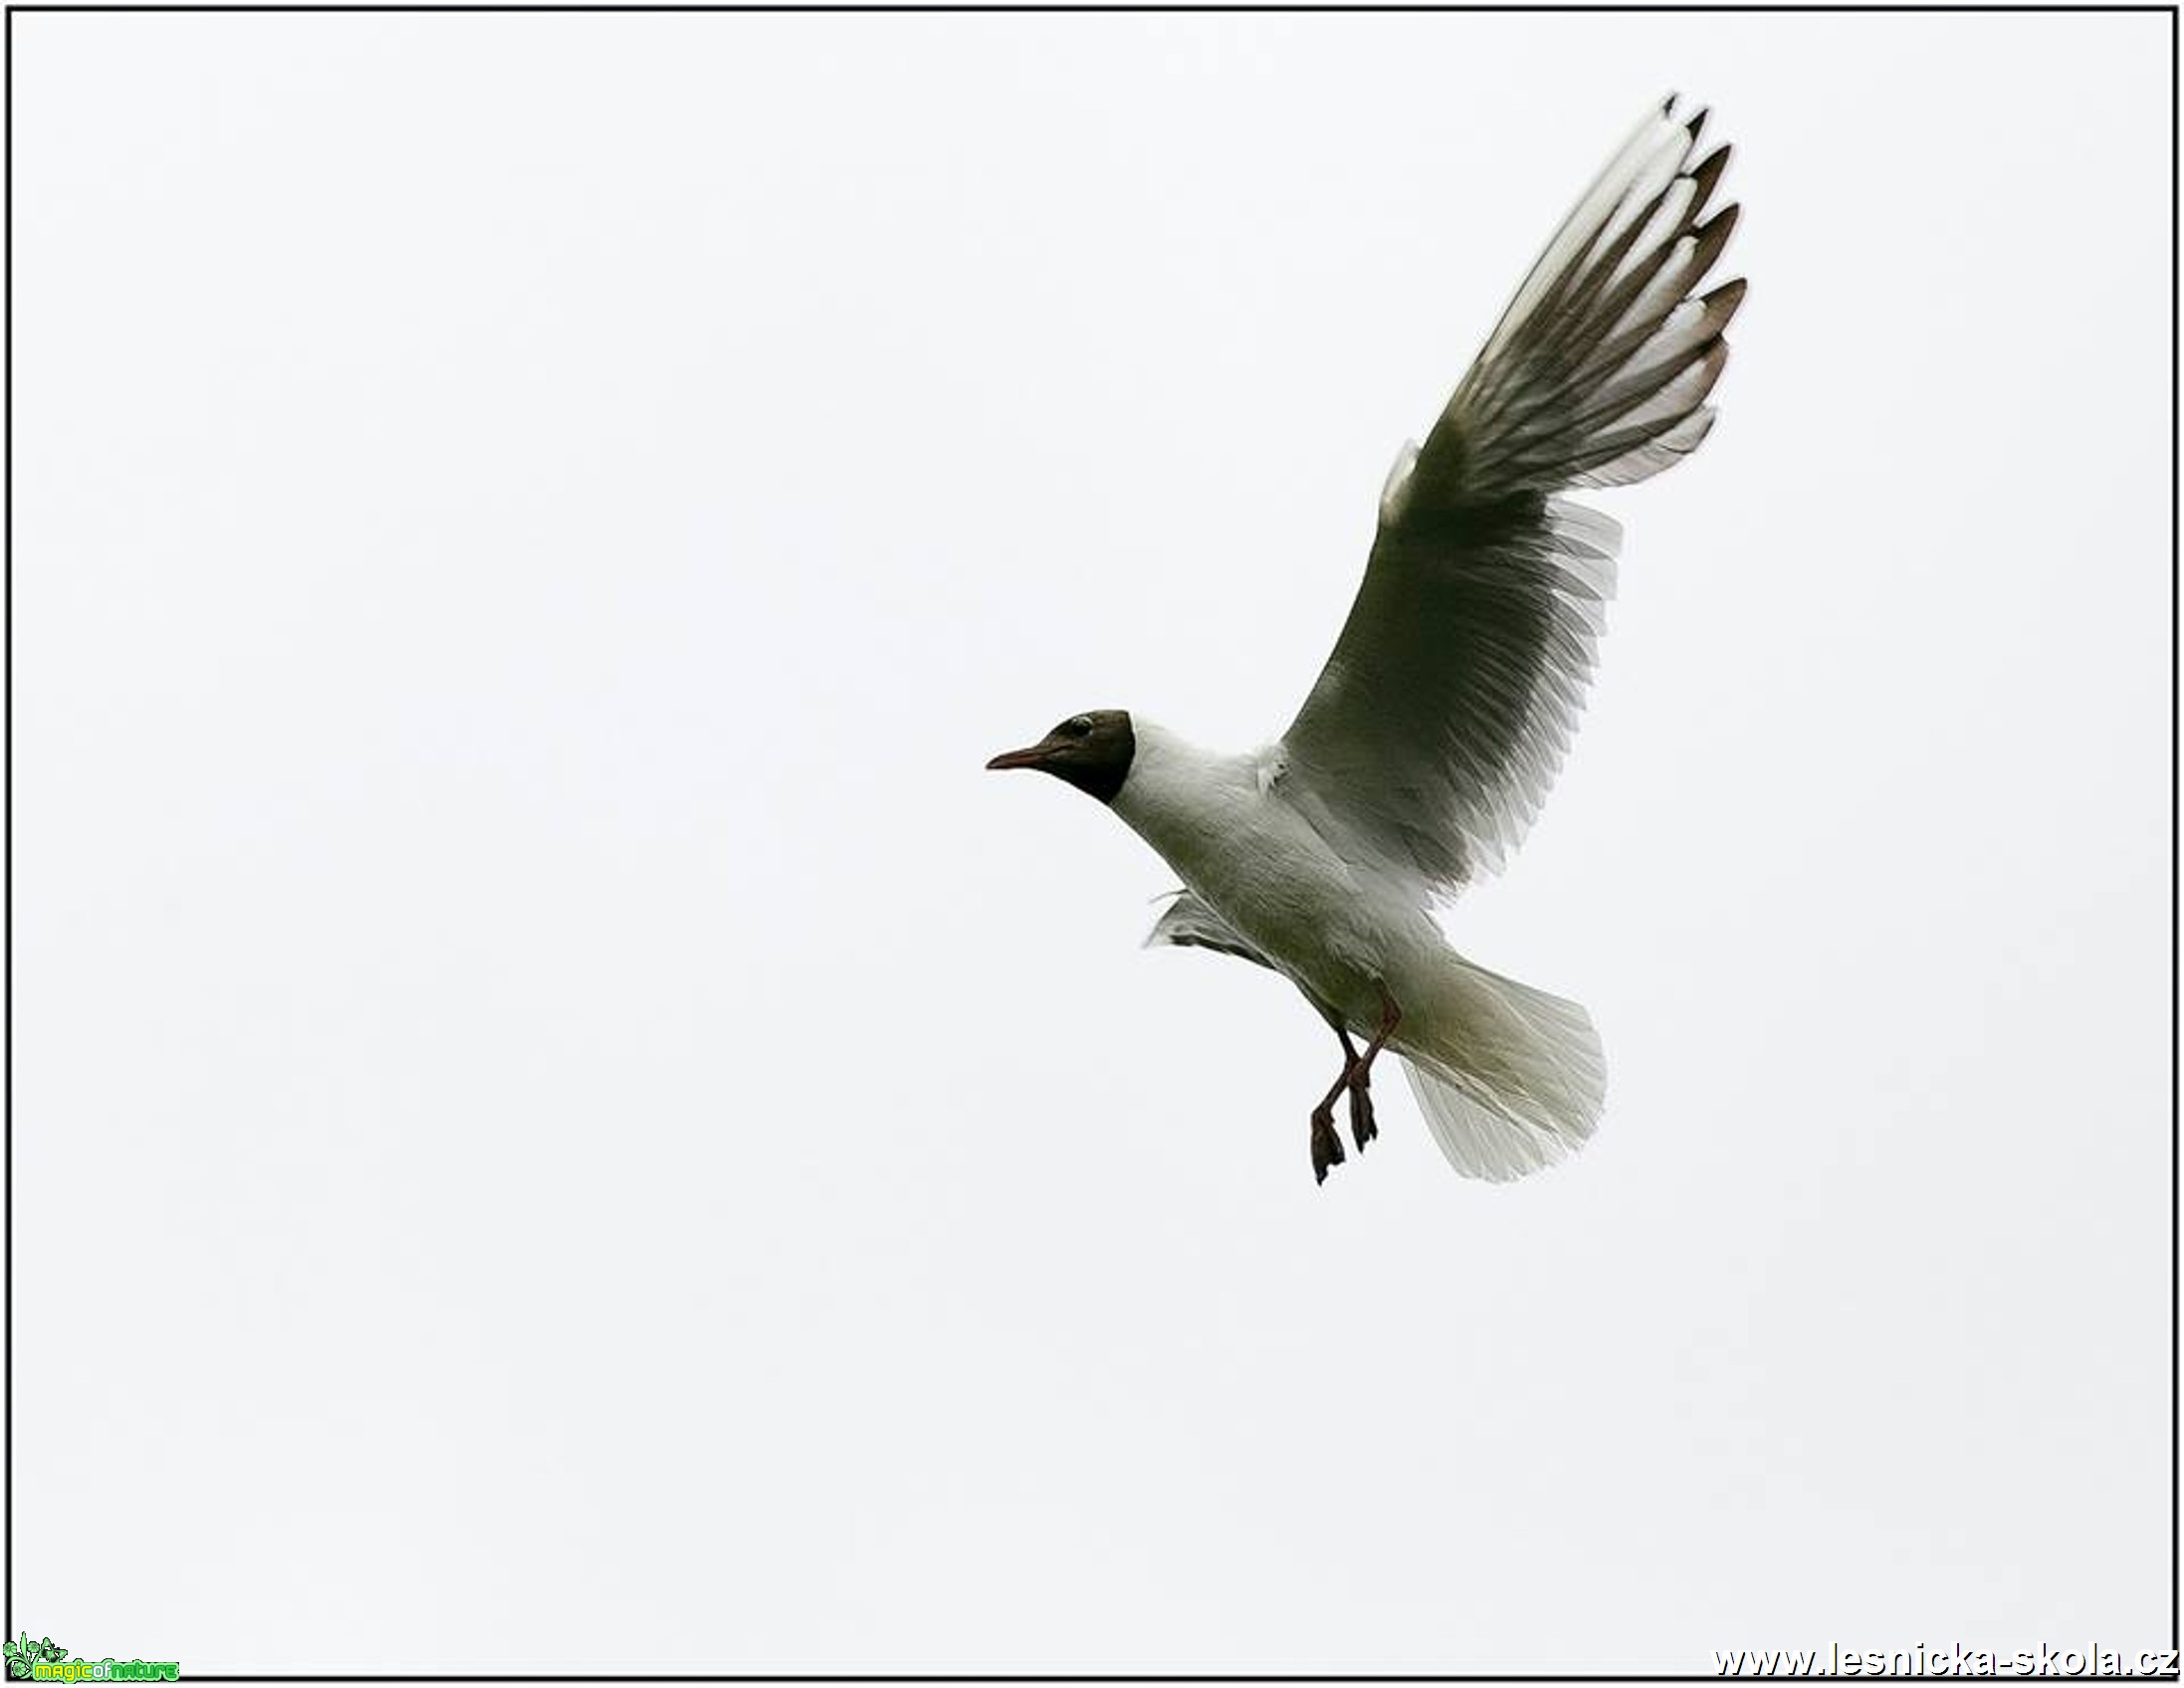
(1448, 704)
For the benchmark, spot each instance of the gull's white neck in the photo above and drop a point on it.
(1193, 805)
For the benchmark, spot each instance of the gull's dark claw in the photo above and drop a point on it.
(1326, 1145)
(1361, 1128)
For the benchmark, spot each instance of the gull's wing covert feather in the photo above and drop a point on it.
(1191, 924)
(1442, 714)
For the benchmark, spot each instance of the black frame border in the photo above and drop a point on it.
(859, 7)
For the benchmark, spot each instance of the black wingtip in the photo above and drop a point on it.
(1711, 236)
(1725, 298)
(1707, 173)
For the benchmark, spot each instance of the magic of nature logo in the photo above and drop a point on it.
(45, 1661)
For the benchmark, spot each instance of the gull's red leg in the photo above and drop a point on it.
(1356, 1079)
(1359, 1083)
(1391, 1017)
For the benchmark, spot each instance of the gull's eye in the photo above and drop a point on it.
(1078, 726)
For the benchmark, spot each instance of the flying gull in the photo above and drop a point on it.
(1425, 749)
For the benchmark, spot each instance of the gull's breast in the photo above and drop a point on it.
(1335, 927)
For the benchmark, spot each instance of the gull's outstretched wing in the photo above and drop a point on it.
(1444, 712)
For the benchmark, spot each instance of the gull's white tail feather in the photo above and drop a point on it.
(1510, 1079)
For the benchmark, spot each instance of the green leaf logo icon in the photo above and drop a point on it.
(24, 1655)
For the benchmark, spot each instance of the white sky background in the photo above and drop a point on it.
(563, 1122)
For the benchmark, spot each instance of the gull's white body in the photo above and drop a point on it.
(1509, 1078)
(1228, 827)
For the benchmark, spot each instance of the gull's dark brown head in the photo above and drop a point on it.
(1091, 750)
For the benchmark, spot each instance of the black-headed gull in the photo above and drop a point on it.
(1438, 723)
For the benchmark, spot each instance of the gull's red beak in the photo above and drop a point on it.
(1031, 756)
